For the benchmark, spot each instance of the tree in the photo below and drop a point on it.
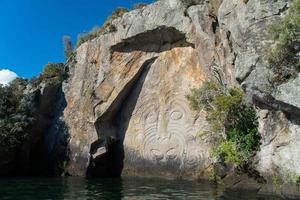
(52, 72)
(284, 58)
(68, 47)
(16, 115)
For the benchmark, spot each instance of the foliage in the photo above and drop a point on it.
(298, 182)
(216, 100)
(284, 57)
(228, 151)
(68, 47)
(201, 98)
(16, 114)
(53, 73)
(229, 116)
(107, 27)
(241, 127)
(140, 5)
(84, 37)
(276, 181)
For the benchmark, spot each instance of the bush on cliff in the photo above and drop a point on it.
(16, 115)
(284, 58)
(140, 5)
(231, 118)
(217, 101)
(107, 27)
(53, 73)
(68, 47)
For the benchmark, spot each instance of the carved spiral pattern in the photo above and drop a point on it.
(163, 125)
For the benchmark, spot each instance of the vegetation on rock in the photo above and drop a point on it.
(17, 105)
(284, 58)
(53, 73)
(231, 119)
(68, 47)
(140, 5)
(107, 27)
(16, 114)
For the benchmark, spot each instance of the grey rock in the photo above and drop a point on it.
(108, 69)
(124, 86)
(289, 92)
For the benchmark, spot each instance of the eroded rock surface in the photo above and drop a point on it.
(160, 131)
(155, 57)
(127, 110)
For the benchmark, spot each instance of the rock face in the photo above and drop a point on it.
(160, 131)
(130, 86)
(44, 152)
(126, 107)
(44, 149)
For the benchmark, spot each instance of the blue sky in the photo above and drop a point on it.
(31, 31)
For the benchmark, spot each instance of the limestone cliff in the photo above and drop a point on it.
(126, 107)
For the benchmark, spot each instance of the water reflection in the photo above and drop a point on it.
(115, 189)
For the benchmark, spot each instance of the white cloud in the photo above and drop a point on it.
(7, 76)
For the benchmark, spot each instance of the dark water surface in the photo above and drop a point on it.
(125, 188)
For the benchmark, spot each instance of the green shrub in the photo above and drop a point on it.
(201, 98)
(228, 115)
(84, 37)
(107, 27)
(16, 115)
(241, 126)
(298, 183)
(216, 100)
(140, 5)
(53, 72)
(68, 47)
(284, 57)
(228, 151)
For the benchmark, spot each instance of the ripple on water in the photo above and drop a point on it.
(115, 189)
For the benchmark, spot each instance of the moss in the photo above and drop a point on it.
(276, 181)
(89, 92)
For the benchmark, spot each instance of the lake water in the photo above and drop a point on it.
(126, 188)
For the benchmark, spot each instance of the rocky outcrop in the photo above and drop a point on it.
(130, 86)
(278, 106)
(126, 107)
(44, 148)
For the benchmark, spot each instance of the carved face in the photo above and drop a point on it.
(164, 123)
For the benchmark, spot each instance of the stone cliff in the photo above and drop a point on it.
(42, 151)
(126, 107)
